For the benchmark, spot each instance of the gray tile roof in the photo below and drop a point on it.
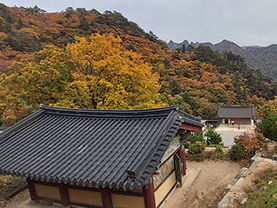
(93, 148)
(236, 112)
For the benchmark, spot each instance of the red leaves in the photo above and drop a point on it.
(251, 142)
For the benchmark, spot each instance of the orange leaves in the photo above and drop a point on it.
(267, 108)
(251, 142)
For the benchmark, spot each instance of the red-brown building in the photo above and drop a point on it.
(236, 115)
(98, 158)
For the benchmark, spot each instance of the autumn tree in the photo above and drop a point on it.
(84, 25)
(251, 142)
(198, 79)
(205, 54)
(98, 74)
(29, 84)
(269, 126)
(109, 76)
(270, 107)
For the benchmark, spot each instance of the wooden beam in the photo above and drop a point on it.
(190, 127)
(32, 189)
(183, 159)
(107, 197)
(64, 194)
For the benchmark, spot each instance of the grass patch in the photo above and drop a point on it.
(217, 145)
(10, 186)
(270, 153)
(198, 157)
(264, 194)
(218, 154)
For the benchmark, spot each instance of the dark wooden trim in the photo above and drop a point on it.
(149, 197)
(130, 193)
(83, 188)
(67, 185)
(64, 194)
(173, 153)
(190, 127)
(32, 190)
(164, 180)
(167, 194)
(46, 183)
(183, 159)
(107, 197)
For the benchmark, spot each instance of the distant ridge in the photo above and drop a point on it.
(222, 46)
(244, 47)
(257, 57)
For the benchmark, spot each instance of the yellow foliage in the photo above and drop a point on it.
(3, 35)
(110, 77)
(30, 32)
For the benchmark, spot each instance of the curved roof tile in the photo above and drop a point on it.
(90, 147)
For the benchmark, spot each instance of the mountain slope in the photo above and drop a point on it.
(263, 58)
(199, 80)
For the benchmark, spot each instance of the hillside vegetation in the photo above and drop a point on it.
(263, 58)
(85, 59)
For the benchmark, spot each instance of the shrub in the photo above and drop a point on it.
(251, 142)
(219, 154)
(236, 152)
(197, 157)
(200, 157)
(10, 186)
(210, 154)
(269, 127)
(197, 136)
(196, 148)
(213, 137)
(218, 150)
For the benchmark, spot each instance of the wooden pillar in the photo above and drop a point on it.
(183, 159)
(107, 197)
(64, 194)
(149, 197)
(32, 190)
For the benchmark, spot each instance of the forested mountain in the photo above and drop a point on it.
(84, 59)
(263, 58)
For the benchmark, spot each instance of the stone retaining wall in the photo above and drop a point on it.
(235, 186)
(209, 149)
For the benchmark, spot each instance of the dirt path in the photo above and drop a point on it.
(22, 200)
(210, 182)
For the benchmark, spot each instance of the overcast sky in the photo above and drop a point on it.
(245, 22)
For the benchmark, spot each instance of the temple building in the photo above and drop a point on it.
(99, 158)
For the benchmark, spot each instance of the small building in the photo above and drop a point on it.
(210, 123)
(99, 158)
(236, 115)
